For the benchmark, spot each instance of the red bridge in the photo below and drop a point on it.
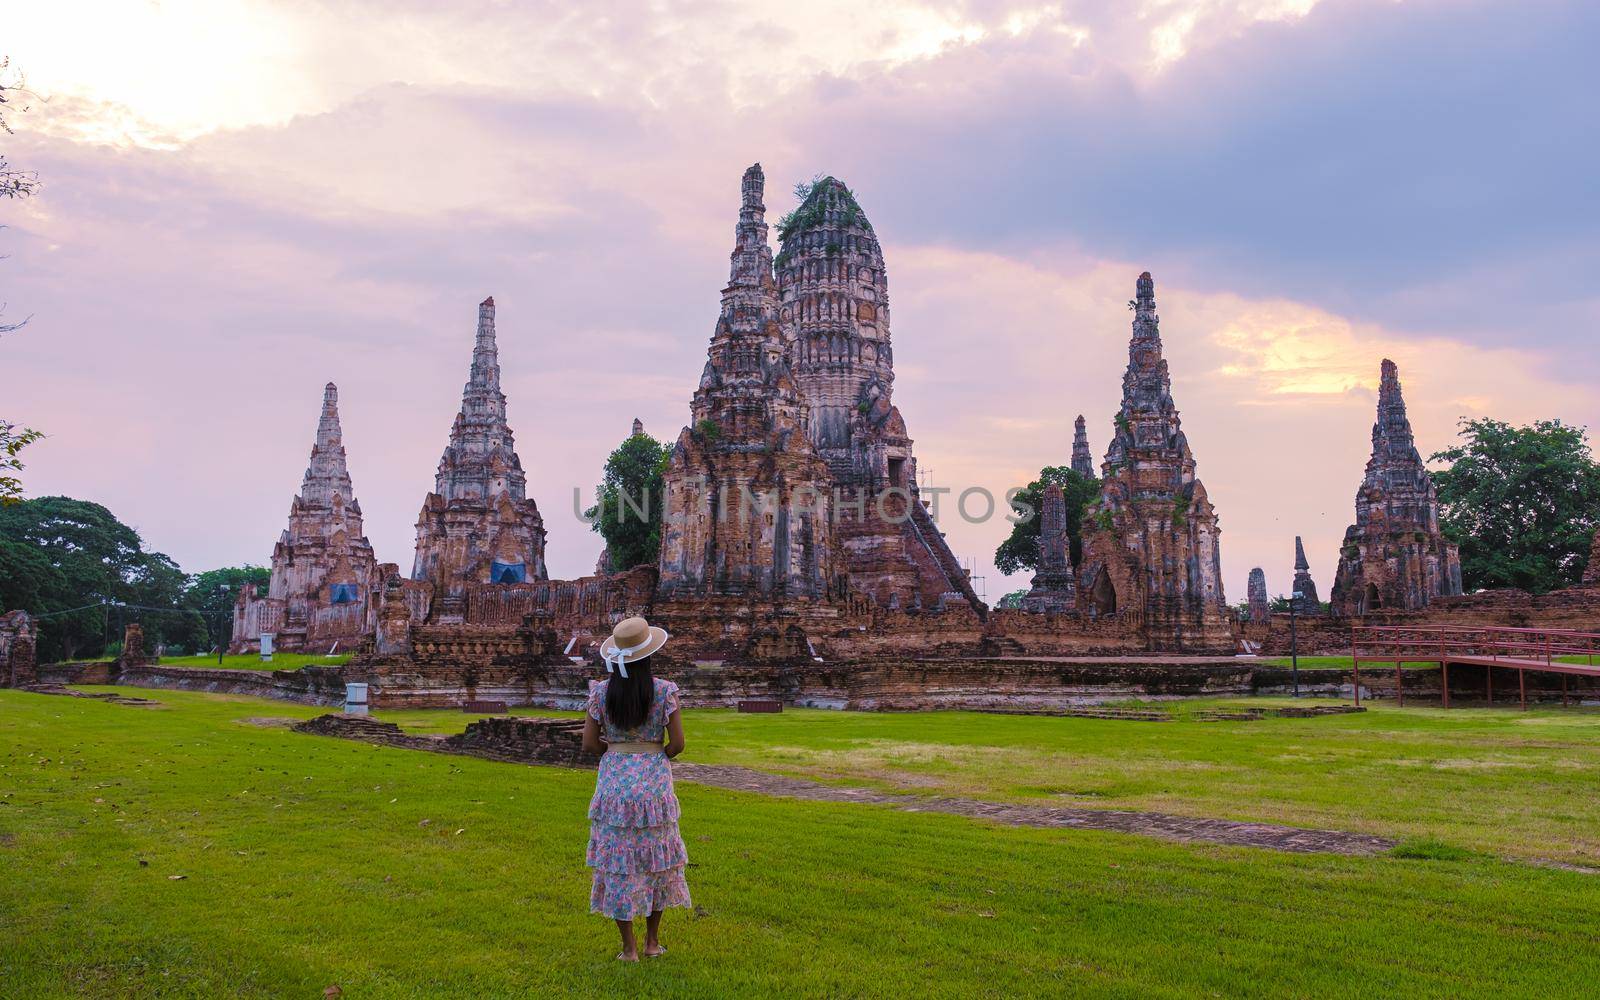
(1550, 651)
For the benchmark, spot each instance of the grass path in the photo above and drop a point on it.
(1180, 828)
(311, 861)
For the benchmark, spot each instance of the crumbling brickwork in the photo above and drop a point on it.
(478, 525)
(1053, 587)
(1394, 558)
(746, 492)
(834, 309)
(1151, 540)
(1260, 606)
(18, 645)
(320, 593)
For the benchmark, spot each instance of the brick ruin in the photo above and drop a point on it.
(1591, 571)
(133, 653)
(1151, 541)
(1394, 558)
(810, 597)
(746, 490)
(1053, 587)
(1260, 606)
(834, 309)
(18, 646)
(478, 525)
(794, 532)
(320, 593)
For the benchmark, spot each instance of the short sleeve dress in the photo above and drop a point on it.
(635, 850)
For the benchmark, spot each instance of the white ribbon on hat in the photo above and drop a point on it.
(616, 660)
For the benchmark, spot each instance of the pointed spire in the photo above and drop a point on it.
(1309, 602)
(1391, 434)
(328, 431)
(326, 474)
(1082, 460)
(1145, 322)
(481, 460)
(1395, 459)
(485, 353)
(638, 427)
(746, 349)
(1148, 418)
(750, 264)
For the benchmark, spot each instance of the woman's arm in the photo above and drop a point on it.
(674, 734)
(592, 743)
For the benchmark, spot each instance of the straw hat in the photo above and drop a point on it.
(632, 639)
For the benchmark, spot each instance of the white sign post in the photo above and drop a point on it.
(266, 646)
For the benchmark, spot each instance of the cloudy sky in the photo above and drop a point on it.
(244, 200)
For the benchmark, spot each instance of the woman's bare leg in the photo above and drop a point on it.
(630, 948)
(652, 935)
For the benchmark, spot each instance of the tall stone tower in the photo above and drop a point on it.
(478, 525)
(1053, 586)
(834, 310)
(1309, 603)
(1082, 460)
(320, 591)
(1151, 542)
(746, 491)
(1394, 558)
(1260, 607)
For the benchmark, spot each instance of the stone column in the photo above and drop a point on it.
(1260, 609)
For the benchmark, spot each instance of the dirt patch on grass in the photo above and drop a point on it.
(1184, 829)
(8, 840)
(267, 721)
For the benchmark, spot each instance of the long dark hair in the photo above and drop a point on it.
(628, 698)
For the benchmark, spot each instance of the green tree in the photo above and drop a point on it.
(1522, 502)
(212, 594)
(1011, 601)
(1021, 550)
(628, 502)
(26, 576)
(88, 574)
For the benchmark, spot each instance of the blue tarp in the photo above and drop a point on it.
(507, 572)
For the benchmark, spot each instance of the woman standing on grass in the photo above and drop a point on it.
(634, 847)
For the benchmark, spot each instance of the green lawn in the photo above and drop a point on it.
(252, 661)
(1493, 780)
(311, 861)
(1498, 780)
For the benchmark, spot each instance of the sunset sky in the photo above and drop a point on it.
(242, 201)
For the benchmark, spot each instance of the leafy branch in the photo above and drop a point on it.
(12, 441)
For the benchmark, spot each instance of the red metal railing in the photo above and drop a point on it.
(1489, 646)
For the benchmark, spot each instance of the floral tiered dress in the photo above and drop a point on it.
(634, 847)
